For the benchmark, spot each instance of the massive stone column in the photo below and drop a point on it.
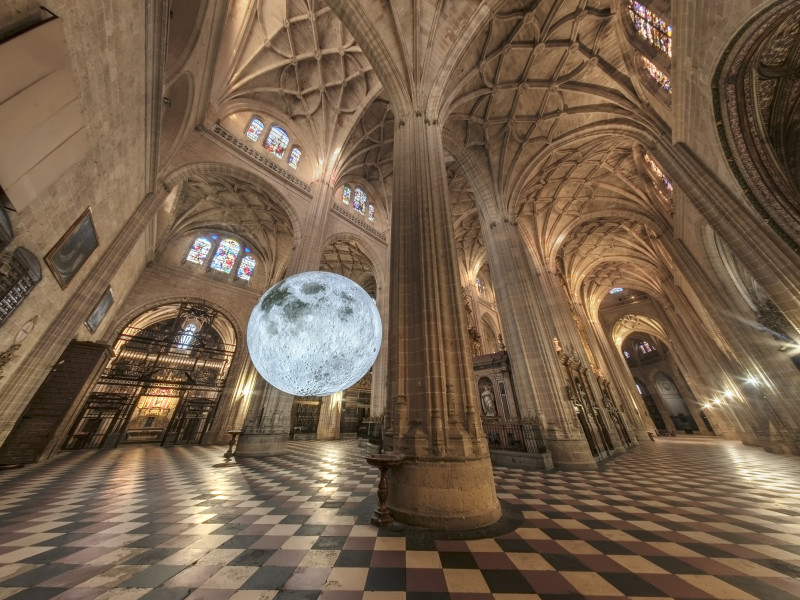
(446, 479)
(530, 333)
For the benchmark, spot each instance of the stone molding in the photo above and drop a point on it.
(355, 220)
(239, 145)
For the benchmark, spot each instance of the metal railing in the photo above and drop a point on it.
(518, 435)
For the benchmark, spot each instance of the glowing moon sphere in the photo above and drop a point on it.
(314, 334)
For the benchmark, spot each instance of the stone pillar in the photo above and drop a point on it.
(330, 414)
(266, 428)
(446, 480)
(530, 332)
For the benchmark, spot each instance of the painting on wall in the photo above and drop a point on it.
(100, 310)
(73, 249)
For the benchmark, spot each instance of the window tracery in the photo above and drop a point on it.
(480, 286)
(616, 290)
(277, 141)
(227, 256)
(657, 172)
(246, 267)
(294, 157)
(255, 129)
(651, 27)
(360, 200)
(199, 251)
(661, 78)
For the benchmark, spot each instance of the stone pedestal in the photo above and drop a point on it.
(253, 445)
(571, 454)
(266, 429)
(457, 494)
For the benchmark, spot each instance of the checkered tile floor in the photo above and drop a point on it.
(684, 519)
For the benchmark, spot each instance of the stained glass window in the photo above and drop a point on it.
(346, 194)
(656, 170)
(651, 27)
(225, 256)
(255, 129)
(626, 353)
(371, 212)
(360, 200)
(645, 347)
(615, 291)
(199, 251)
(479, 285)
(277, 140)
(294, 157)
(246, 268)
(661, 78)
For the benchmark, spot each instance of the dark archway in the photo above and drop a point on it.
(164, 382)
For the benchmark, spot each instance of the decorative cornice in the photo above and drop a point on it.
(353, 219)
(261, 159)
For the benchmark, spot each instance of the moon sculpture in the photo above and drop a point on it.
(314, 334)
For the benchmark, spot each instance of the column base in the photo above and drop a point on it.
(253, 445)
(572, 455)
(438, 494)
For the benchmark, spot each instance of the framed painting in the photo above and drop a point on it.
(73, 249)
(100, 310)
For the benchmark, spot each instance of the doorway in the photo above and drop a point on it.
(164, 382)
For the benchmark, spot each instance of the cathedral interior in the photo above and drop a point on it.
(579, 221)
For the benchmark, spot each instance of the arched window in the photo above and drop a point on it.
(645, 347)
(479, 285)
(657, 74)
(651, 27)
(254, 130)
(657, 173)
(615, 291)
(277, 140)
(294, 157)
(225, 257)
(246, 268)
(626, 353)
(360, 200)
(199, 251)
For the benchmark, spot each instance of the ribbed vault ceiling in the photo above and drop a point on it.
(244, 208)
(369, 151)
(347, 258)
(530, 90)
(538, 72)
(296, 59)
(468, 236)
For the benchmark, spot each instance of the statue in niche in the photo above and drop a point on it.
(487, 401)
(582, 393)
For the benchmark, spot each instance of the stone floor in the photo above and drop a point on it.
(672, 519)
